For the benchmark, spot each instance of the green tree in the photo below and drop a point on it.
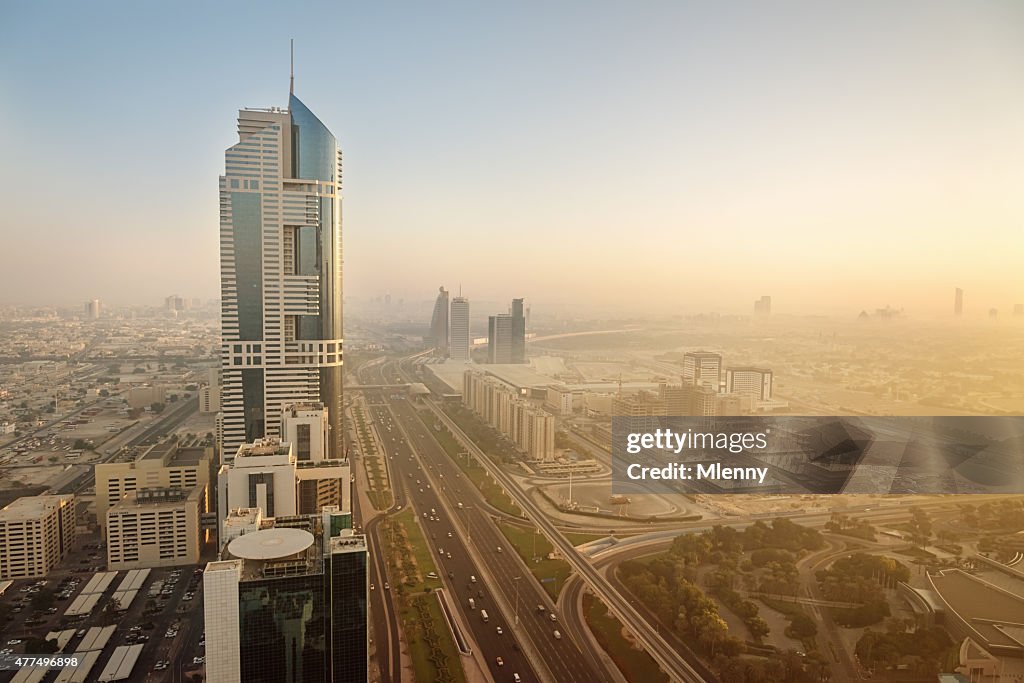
(801, 626)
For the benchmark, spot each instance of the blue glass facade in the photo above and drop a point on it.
(248, 244)
(314, 157)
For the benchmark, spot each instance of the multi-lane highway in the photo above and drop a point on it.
(436, 488)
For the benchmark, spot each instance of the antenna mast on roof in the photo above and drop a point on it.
(291, 84)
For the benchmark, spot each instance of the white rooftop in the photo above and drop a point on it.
(269, 544)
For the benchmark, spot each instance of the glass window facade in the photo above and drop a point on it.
(348, 610)
(302, 446)
(252, 402)
(248, 243)
(283, 630)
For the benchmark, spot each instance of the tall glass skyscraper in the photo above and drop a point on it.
(460, 342)
(280, 255)
(439, 323)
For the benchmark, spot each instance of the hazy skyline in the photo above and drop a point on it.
(689, 155)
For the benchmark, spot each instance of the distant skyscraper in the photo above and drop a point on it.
(280, 227)
(518, 332)
(439, 324)
(92, 309)
(506, 335)
(993, 313)
(763, 306)
(499, 338)
(288, 604)
(459, 337)
(702, 368)
(753, 382)
(958, 302)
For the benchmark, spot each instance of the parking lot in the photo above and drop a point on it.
(165, 617)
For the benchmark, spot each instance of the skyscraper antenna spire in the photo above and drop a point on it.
(291, 83)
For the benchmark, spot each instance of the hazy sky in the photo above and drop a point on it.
(695, 154)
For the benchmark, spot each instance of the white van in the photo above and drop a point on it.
(557, 635)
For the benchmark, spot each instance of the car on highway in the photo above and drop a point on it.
(499, 631)
(499, 661)
(553, 617)
(557, 635)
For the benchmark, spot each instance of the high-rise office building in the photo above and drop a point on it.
(177, 303)
(460, 340)
(763, 306)
(753, 382)
(288, 604)
(267, 474)
(702, 368)
(518, 332)
(439, 324)
(92, 309)
(506, 335)
(958, 302)
(499, 338)
(209, 393)
(281, 297)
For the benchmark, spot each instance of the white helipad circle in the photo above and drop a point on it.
(270, 543)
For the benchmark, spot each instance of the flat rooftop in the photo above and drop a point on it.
(31, 507)
(172, 455)
(984, 606)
